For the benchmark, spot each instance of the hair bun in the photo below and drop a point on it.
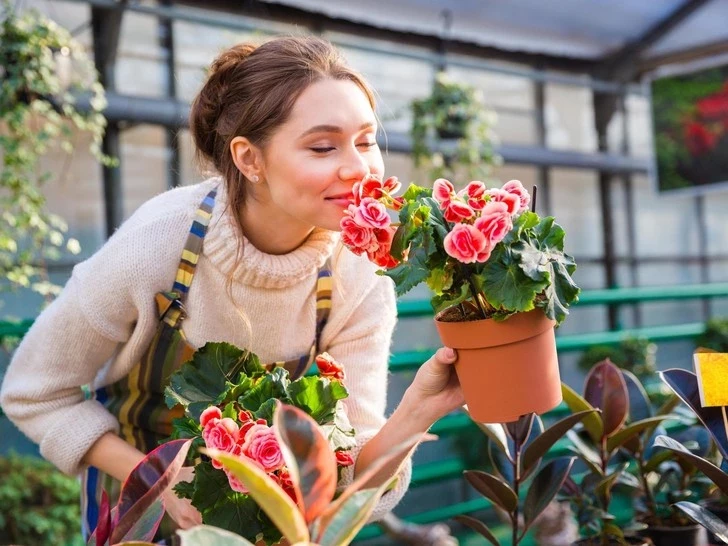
(210, 102)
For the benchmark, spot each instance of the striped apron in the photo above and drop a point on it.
(137, 400)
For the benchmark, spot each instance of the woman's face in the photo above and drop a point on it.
(312, 161)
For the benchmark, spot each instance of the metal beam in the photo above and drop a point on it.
(166, 42)
(106, 30)
(621, 66)
(480, 58)
(175, 114)
(702, 51)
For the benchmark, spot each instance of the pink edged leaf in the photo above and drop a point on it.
(373, 468)
(144, 486)
(606, 389)
(100, 536)
(272, 499)
(311, 461)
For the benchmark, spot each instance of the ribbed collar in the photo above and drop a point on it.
(256, 268)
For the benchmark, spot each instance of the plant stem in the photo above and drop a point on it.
(477, 297)
(649, 498)
(516, 481)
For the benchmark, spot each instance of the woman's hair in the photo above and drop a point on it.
(250, 91)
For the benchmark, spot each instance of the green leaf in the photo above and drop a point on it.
(202, 381)
(351, 517)
(241, 514)
(211, 488)
(630, 431)
(450, 299)
(266, 410)
(317, 396)
(340, 433)
(409, 274)
(479, 527)
(592, 423)
(267, 493)
(603, 489)
(540, 446)
(492, 488)
(505, 284)
(273, 385)
(544, 487)
(206, 535)
(657, 459)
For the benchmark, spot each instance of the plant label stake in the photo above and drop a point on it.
(711, 369)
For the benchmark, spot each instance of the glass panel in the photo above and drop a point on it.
(144, 165)
(570, 118)
(575, 204)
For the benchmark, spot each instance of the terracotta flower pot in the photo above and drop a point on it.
(506, 369)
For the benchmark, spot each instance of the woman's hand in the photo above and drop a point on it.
(436, 389)
(181, 510)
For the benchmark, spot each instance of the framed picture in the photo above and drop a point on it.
(690, 129)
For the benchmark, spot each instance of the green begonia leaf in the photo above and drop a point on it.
(451, 298)
(504, 282)
(273, 385)
(340, 433)
(317, 396)
(266, 410)
(203, 381)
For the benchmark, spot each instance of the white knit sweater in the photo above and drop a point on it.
(105, 317)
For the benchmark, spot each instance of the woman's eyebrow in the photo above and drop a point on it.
(332, 129)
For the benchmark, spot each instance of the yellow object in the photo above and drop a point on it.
(712, 372)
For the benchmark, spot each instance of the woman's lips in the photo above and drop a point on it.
(341, 200)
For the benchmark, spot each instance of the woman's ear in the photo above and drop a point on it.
(247, 157)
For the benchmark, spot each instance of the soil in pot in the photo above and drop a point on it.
(689, 535)
(632, 541)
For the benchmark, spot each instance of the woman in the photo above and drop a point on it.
(289, 128)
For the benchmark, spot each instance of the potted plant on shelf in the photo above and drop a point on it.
(500, 277)
(663, 478)
(516, 453)
(453, 111)
(598, 445)
(708, 512)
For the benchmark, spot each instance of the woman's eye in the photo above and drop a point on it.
(322, 150)
(368, 144)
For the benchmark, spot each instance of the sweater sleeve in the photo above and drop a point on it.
(41, 392)
(362, 347)
(105, 309)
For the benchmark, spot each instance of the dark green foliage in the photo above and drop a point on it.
(39, 505)
(715, 336)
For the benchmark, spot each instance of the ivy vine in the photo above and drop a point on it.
(43, 72)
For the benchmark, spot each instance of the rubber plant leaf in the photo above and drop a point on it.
(606, 389)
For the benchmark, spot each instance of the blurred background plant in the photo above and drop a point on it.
(453, 112)
(38, 504)
(715, 336)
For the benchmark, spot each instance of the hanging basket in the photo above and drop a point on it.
(506, 369)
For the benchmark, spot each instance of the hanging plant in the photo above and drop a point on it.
(43, 70)
(454, 111)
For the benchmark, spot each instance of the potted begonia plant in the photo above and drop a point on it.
(500, 277)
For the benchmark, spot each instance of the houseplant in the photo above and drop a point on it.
(308, 514)
(499, 274)
(516, 452)
(599, 444)
(226, 399)
(453, 111)
(663, 478)
(708, 513)
(43, 70)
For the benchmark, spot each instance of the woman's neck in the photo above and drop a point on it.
(272, 235)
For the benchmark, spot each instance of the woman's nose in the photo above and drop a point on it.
(355, 167)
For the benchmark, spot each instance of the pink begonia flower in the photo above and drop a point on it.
(494, 222)
(442, 190)
(357, 238)
(284, 480)
(213, 412)
(456, 211)
(371, 213)
(374, 187)
(329, 367)
(381, 256)
(512, 201)
(221, 434)
(475, 193)
(262, 446)
(516, 188)
(467, 244)
(344, 458)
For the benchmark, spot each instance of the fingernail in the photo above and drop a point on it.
(449, 353)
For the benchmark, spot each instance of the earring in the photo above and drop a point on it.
(256, 179)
